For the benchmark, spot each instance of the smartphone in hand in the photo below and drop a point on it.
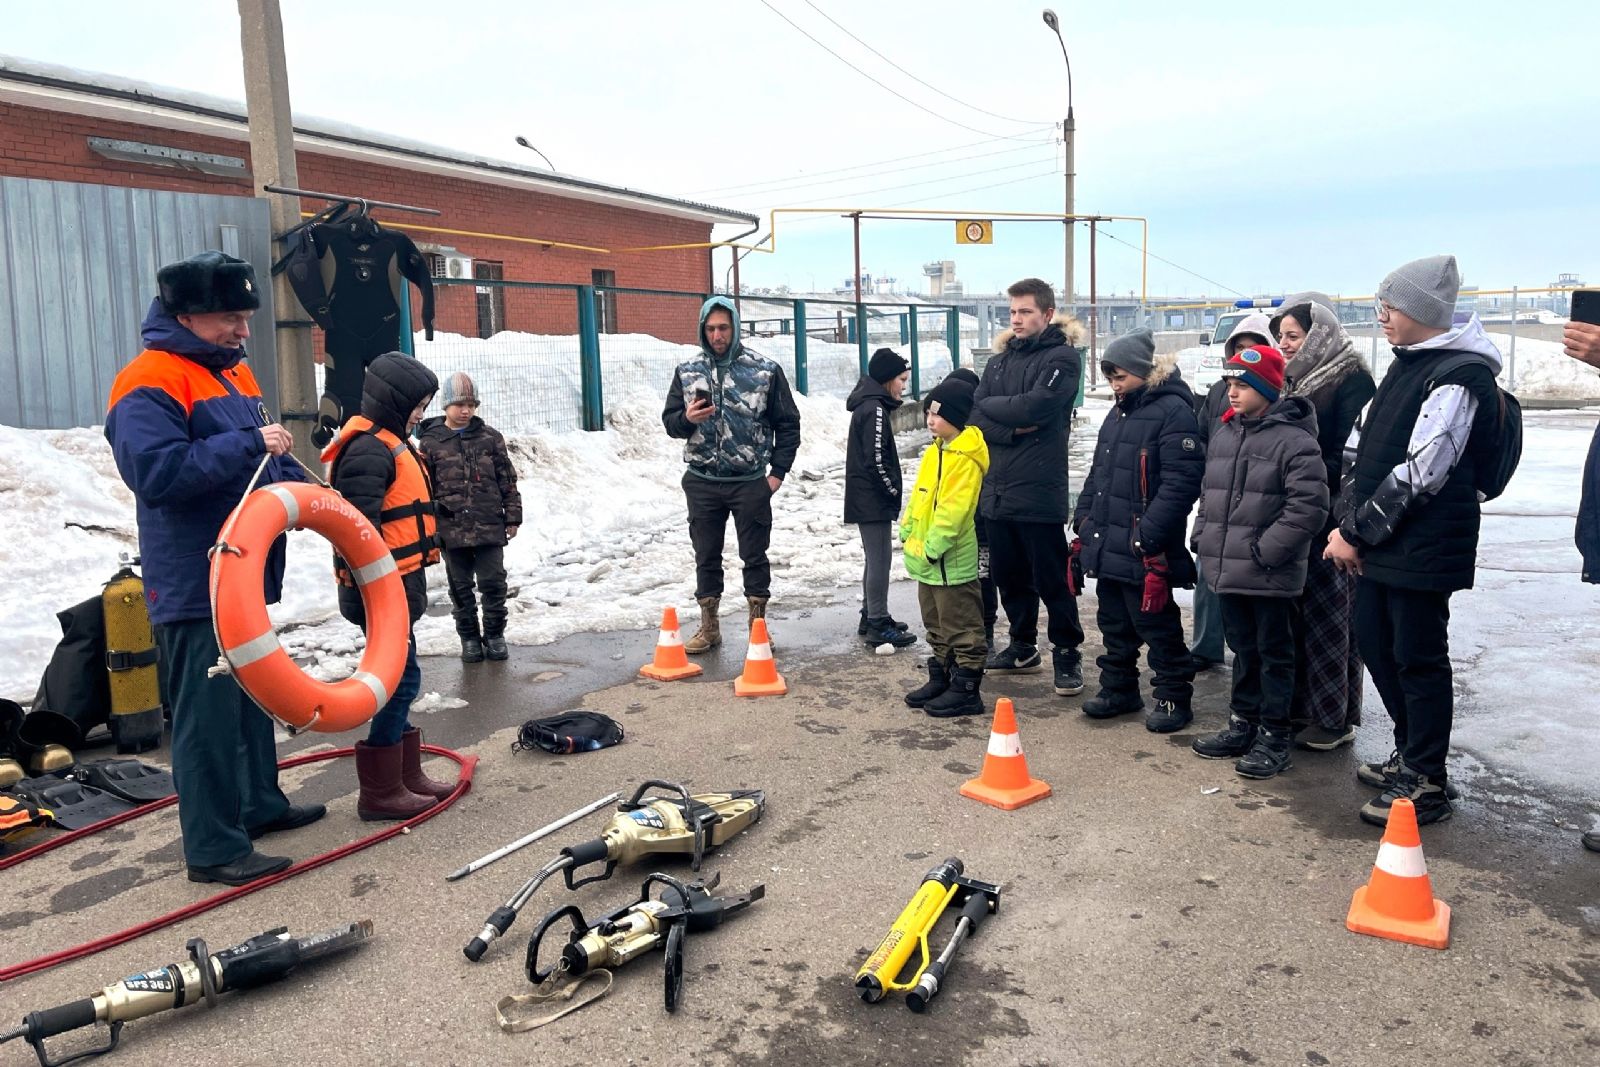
(1586, 306)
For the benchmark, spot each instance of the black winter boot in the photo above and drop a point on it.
(471, 650)
(1107, 704)
(1269, 756)
(962, 698)
(1168, 718)
(938, 682)
(495, 648)
(1232, 742)
(1068, 665)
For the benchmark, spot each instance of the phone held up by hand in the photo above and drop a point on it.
(1586, 306)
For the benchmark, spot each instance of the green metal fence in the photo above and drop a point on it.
(550, 356)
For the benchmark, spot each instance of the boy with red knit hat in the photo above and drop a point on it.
(1262, 501)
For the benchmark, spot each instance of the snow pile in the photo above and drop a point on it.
(605, 545)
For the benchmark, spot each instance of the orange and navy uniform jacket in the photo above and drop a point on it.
(386, 480)
(187, 440)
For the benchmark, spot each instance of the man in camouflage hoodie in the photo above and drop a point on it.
(741, 430)
(475, 489)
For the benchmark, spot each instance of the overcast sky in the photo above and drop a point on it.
(1316, 148)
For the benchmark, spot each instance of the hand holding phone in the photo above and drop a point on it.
(700, 407)
(1581, 338)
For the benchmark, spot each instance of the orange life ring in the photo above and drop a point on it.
(245, 635)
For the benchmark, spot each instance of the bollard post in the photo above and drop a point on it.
(1511, 365)
(594, 414)
(802, 378)
(910, 319)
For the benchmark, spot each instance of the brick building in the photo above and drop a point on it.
(498, 220)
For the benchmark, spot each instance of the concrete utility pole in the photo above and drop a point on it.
(1069, 133)
(266, 93)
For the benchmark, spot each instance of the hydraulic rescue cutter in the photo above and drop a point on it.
(679, 824)
(262, 959)
(630, 932)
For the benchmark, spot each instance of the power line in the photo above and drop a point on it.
(942, 118)
(792, 186)
(1168, 262)
(937, 181)
(861, 166)
(979, 188)
(907, 73)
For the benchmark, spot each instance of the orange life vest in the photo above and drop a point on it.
(407, 520)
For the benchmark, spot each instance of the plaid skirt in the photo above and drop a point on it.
(1328, 674)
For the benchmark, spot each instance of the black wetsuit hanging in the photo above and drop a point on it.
(348, 273)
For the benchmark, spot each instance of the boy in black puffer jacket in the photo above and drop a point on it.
(872, 497)
(480, 511)
(1264, 500)
(1131, 519)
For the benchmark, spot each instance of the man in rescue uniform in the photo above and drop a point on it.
(372, 464)
(188, 430)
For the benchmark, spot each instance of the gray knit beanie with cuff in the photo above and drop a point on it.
(1424, 290)
(1132, 352)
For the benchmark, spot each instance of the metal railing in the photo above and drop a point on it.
(553, 356)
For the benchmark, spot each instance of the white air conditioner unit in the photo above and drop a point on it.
(458, 267)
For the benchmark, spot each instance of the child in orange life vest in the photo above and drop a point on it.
(940, 538)
(372, 464)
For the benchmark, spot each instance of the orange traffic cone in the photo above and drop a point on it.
(1004, 781)
(1398, 902)
(670, 663)
(760, 677)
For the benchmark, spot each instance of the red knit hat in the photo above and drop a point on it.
(1260, 367)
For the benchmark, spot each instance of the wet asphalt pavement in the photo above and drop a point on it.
(1156, 909)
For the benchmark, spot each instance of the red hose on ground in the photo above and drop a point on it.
(43, 963)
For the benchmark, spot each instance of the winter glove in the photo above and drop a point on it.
(1157, 587)
(1075, 567)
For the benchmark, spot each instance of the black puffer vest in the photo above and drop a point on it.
(1436, 545)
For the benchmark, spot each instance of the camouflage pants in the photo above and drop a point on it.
(484, 564)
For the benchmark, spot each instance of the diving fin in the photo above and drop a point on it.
(73, 804)
(129, 779)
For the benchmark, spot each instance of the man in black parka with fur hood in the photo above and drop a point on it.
(1132, 522)
(1023, 408)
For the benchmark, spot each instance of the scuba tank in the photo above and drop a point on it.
(136, 716)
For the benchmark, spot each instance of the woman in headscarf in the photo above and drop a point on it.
(1325, 368)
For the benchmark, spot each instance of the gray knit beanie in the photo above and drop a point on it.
(1133, 352)
(1424, 290)
(458, 389)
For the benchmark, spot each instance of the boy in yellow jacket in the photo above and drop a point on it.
(940, 539)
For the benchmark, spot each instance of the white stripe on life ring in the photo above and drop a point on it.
(1401, 861)
(371, 682)
(1005, 745)
(291, 506)
(761, 651)
(378, 568)
(253, 651)
(669, 639)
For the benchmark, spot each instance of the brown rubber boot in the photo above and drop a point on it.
(709, 635)
(383, 796)
(411, 775)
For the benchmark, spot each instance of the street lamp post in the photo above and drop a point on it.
(523, 141)
(1069, 130)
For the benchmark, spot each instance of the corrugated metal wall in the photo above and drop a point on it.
(77, 273)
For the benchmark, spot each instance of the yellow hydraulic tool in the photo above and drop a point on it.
(943, 885)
